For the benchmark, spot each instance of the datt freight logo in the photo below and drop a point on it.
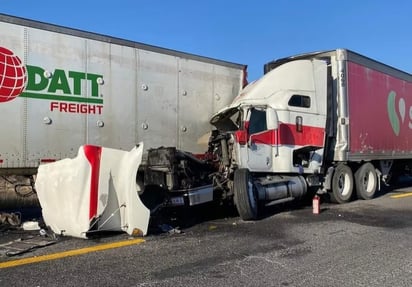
(64, 89)
(397, 113)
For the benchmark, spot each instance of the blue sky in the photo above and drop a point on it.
(245, 32)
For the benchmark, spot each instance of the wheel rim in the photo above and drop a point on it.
(368, 182)
(344, 188)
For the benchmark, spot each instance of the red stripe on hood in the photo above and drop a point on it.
(93, 155)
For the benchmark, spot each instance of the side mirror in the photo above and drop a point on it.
(272, 121)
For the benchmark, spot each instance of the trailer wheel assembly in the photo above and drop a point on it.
(342, 184)
(366, 181)
(245, 195)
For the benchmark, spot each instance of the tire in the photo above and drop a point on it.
(342, 184)
(245, 195)
(366, 181)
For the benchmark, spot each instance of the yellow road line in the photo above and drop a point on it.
(401, 195)
(73, 252)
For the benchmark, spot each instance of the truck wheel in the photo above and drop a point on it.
(245, 195)
(342, 184)
(366, 181)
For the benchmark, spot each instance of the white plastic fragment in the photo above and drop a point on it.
(31, 225)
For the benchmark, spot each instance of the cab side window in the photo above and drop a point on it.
(299, 101)
(257, 122)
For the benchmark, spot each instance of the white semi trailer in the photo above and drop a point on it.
(61, 88)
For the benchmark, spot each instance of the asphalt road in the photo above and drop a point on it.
(363, 243)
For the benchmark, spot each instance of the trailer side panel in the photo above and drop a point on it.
(380, 114)
(84, 88)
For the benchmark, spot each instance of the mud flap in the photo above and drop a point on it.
(95, 191)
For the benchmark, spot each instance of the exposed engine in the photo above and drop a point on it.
(176, 170)
(173, 177)
(220, 155)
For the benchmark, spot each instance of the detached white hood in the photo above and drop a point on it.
(95, 191)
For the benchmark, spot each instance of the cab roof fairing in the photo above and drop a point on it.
(312, 55)
(268, 90)
(295, 74)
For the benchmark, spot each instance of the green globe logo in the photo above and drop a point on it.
(396, 113)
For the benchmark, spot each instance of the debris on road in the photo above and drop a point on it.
(9, 220)
(166, 228)
(26, 244)
(31, 225)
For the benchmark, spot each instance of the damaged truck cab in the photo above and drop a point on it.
(303, 127)
(279, 138)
